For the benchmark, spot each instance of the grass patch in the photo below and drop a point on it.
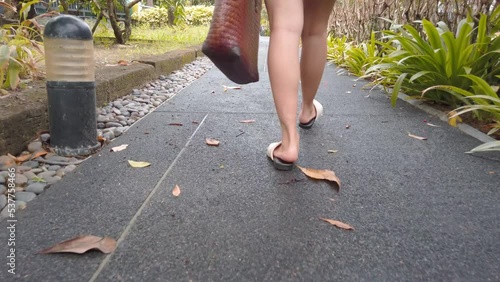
(145, 41)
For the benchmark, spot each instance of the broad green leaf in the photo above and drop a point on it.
(397, 86)
(486, 147)
(418, 75)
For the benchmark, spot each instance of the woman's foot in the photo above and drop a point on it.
(308, 115)
(283, 157)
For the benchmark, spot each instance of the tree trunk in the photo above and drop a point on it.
(113, 20)
(171, 16)
(98, 20)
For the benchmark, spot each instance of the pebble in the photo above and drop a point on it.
(45, 137)
(70, 168)
(113, 124)
(52, 179)
(29, 174)
(35, 146)
(54, 167)
(46, 174)
(24, 196)
(20, 205)
(20, 180)
(112, 121)
(6, 161)
(109, 135)
(56, 158)
(31, 164)
(23, 168)
(36, 188)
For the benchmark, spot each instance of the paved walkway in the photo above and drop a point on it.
(422, 210)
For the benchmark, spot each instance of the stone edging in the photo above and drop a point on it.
(465, 128)
(20, 125)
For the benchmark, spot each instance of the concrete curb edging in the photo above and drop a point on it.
(467, 129)
(19, 124)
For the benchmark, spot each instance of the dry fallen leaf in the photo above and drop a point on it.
(138, 164)
(347, 126)
(177, 191)
(332, 199)
(39, 154)
(212, 142)
(433, 125)
(119, 148)
(333, 151)
(82, 244)
(247, 121)
(320, 174)
(23, 158)
(417, 137)
(338, 224)
(230, 87)
(175, 123)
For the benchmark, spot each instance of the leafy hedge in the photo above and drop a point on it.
(459, 69)
(199, 15)
(153, 17)
(158, 16)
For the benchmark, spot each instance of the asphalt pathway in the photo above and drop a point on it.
(422, 210)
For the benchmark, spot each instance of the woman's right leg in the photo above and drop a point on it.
(286, 21)
(314, 52)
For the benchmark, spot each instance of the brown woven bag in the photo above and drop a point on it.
(232, 43)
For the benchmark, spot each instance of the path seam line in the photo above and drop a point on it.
(125, 232)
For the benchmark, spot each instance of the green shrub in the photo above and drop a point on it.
(199, 15)
(440, 58)
(20, 51)
(153, 17)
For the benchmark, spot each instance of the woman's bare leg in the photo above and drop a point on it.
(314, 52)
(286, 21)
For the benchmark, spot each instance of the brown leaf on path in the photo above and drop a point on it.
(417, 137)
(39, 154)
(23, 158)
(338, 224)
(82, 244)
(212, 142)
(176, 191)
(247, 121)
(195, 122)
(332, 199)
(119, 148)
(175, 124)
(320, 174)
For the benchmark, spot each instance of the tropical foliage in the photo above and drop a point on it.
(20, 50)
(429, 61)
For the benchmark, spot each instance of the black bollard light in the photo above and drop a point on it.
(69, 61)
